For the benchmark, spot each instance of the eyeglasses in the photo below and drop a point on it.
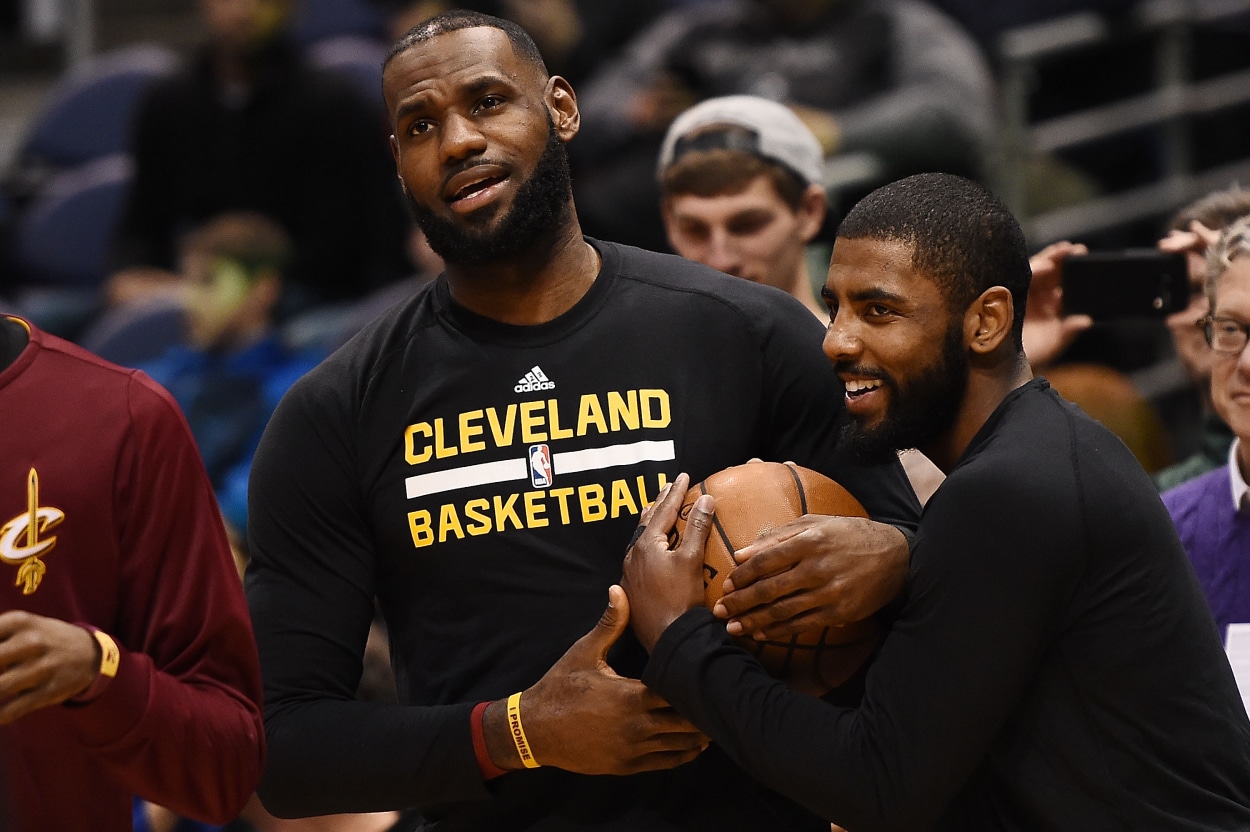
(1225, 335)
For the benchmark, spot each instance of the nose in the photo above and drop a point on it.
(722, 254)
(842, 343)
(460, 138)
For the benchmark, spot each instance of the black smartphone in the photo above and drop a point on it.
(1132, 283)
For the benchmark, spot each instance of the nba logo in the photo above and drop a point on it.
(540, 466)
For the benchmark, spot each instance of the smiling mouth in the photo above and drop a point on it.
(858, 387)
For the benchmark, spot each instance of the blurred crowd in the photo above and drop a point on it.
(247, 221)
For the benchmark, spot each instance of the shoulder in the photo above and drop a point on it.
(692, 289)
(1194, 497)
(346, 374)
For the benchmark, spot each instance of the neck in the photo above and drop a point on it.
(801, 289)
(987, 387)
(532, 288)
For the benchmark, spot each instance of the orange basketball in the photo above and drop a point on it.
(751, 500)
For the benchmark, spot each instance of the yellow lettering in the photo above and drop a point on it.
(590, 412)
(532, 420)
(622, 499)
(535, 510)
(505, 511)
(563, 494)
(557, 432)
(441, 450)
(476, 510)
(449, 521)
(410, 449)
(502, 434)
(623, 411)
(468, 430)
(658, 417)
(591, 499)
(419, 526)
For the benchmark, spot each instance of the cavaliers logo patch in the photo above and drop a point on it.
(24, 540)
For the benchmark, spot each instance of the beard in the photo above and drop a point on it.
(541, 207)
(919, 412)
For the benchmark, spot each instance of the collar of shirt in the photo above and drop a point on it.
(1240, 503)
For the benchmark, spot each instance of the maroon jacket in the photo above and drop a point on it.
(133, 544)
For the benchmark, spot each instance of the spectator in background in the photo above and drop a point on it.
(249, 126)
(740, 182)
(1048, 332)
(895, 79)
(1212, 512)
(127, 661)
(574, 36)
(1194, 228)
(234, 369)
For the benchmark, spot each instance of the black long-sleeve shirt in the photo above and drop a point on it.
(482, 480)
(1054, 665)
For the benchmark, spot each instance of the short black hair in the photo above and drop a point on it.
(457, 19)
(961, 235)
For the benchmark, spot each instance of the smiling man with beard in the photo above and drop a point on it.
(1053, 664)
(477, 459)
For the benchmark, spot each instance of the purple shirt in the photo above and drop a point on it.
(1217, 539)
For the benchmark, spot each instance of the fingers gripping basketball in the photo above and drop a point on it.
(751, 500)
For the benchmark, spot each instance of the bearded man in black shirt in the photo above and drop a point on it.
(477, 458)
(1053, 664)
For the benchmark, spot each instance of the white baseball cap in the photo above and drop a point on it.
(769, 130)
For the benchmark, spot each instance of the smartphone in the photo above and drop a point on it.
(1132, 283)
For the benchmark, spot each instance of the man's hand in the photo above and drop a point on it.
(1047, 331)
(663, 583)
(817, 571)
(43, 662)
(581, 716)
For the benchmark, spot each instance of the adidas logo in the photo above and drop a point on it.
(535, 379)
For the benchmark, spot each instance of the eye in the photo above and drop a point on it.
(877, 310)
(490, 102)
(420, 126)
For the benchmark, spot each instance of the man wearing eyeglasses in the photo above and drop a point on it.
(1212, 512)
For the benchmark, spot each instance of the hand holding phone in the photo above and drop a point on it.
(1132, 283)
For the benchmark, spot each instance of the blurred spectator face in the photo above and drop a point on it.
(220, 299)
(753, 234)
(1230, 374)
(1191, 344)
(240, 24)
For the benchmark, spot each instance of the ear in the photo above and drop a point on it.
(562, 104)
(811, 212)
(987, 323)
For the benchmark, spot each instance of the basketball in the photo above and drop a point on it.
(751, 500)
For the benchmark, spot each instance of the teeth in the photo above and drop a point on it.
(860, 386)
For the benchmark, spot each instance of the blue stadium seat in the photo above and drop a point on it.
(88, 114)
(358, 59)
(135, 333)
(63, 238)
(319, 20)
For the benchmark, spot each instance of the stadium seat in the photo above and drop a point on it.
(319, 20)
(138, 332)
(63, 237)
(356, 58)
(88, 114)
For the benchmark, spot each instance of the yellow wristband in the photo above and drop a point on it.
(110, 656)
(518, 732)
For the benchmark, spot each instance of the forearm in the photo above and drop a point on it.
(827, 758)
(193, 744)
(329, 757)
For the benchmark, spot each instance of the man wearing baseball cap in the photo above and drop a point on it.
(740, 180)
